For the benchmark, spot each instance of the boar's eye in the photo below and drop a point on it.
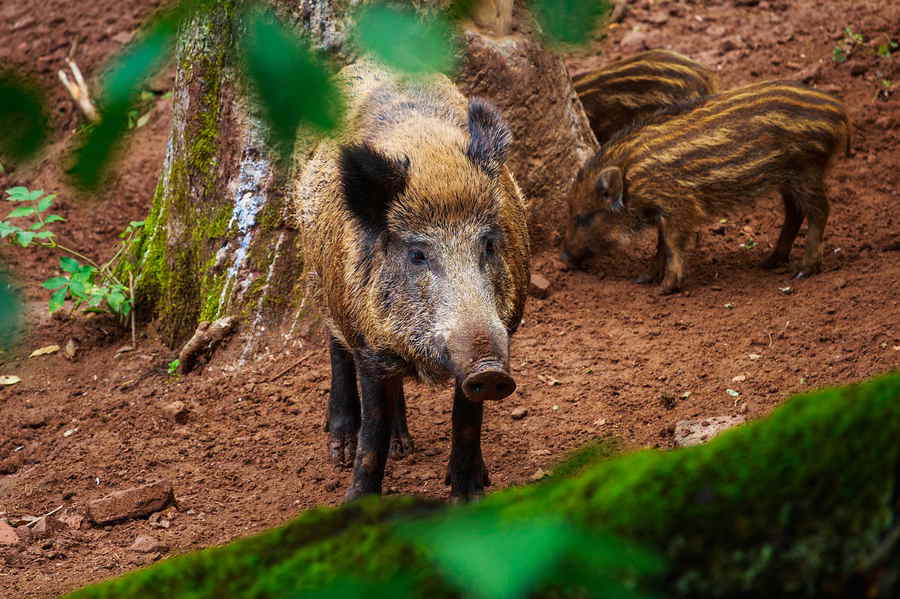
(417, 257)
(490, 247)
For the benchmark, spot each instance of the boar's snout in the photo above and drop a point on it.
(488, 381)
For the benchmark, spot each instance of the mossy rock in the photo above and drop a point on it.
(801, 504)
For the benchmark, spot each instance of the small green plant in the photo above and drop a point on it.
(749, 244)
(885, 89)
(84, 281)
(839, 55)
(172, 368)
(887, 49)
(844, 48)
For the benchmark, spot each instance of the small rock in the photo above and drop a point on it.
(739, 378)
(147, 544)
(659, 17)
(810, 74)
(634, 41)
(519, 413)
(157, 520)
(46, 526)
(12, 464)
(8, 534)
(538, 475)
(754, 356)
(73, 520)
(858, 69)
(539, 286)
(695, 432)
(131, 503)
(176, 411)
(70, 349)
(732, 393)
(123, 37)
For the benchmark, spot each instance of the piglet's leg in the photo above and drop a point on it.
(379, 394)
(675, 241)
(466, 473)
(658, 267)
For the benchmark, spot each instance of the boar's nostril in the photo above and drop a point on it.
(488, 385)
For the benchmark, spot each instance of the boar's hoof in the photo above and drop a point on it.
(488, 384)
(401, 445)
(648, 278)
(342, 447)
(807, 271)
(773, 261)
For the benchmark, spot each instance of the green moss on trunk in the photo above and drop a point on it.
(795, 505)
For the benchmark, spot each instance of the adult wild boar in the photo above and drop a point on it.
(416, 240)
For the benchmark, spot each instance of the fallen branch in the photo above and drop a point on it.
(78, 89)
(204, 341)
(290, 368)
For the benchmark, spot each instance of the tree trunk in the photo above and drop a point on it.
(220, 238)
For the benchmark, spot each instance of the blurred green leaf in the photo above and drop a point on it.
(292, 86)
(45, 234)
(23, 119)
(569, 21)
(20, 211)
(45, 203)
(10, 311)
(77, 288)
(17, 194)
(405, 40)
(54, 218)
(55, 283)
(7, 229)
(68, 264)
(24, 238)
(492, 558)
(58, 298)
(121, 88)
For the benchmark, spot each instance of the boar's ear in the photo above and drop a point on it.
(490, 137)
(370, 182)
(610, 188)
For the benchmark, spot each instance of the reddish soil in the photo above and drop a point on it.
(599, 357)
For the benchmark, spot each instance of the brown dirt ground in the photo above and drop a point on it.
(599, 357)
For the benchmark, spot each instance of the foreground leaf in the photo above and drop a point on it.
(403, 39)
(23, 120)
(292, 86)
(120, 89)
(569, 21)
(10, 312)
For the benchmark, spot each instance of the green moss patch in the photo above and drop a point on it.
(800, 504)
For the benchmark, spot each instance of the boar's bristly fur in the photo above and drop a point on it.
(627, 90)
(706, 158)
(416, 242)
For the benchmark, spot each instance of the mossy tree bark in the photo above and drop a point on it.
(220, 238)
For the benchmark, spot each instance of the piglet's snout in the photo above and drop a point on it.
(488, 381)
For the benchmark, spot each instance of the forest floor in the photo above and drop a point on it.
(600, 357)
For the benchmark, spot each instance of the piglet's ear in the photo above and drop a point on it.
(610, 188)
(490, 137)
(371, 181)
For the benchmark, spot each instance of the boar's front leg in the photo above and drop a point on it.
(380, 394)
(343, 407)
(675, 241)
(466, 473)
(401, 441)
